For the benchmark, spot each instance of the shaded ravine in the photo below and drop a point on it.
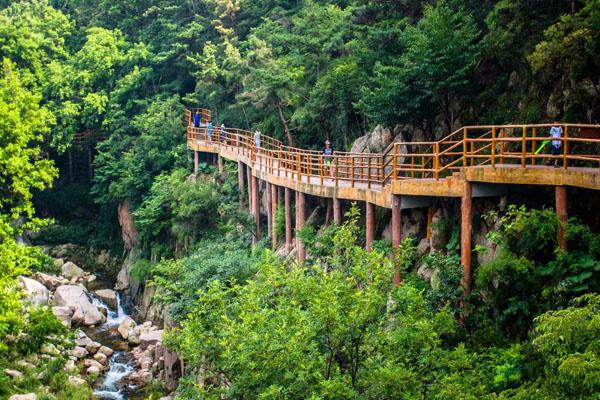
(112, 385)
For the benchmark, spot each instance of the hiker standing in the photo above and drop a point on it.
(556, 133)
(328, 157)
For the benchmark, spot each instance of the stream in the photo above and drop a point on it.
(110, 385)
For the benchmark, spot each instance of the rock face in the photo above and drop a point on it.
(37, 294)
(374, 142)
(72, 296)
(128, 232)
(64, 315)
(70, 271)
(108, 296)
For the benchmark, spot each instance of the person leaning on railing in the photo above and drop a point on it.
(223, 133)
(556, 133)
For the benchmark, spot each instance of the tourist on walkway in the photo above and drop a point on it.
(197, 120)
(223, 133)
(209, 130)
(257, 139)
(556, 133)
(328, 157)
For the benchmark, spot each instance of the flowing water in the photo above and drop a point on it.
(110, 386)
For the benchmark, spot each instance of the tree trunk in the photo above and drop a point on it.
(286, 128)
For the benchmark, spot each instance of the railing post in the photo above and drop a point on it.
(533, 144)
(299, 166)
(524, 147)
(436, 160)
(493, 159)
(336, 169)
(368, 172)
(501, 145)
(395, 163)
(352, 171)
(465, 147)
(321, 168)
(566, 148)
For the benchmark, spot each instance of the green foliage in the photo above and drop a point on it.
(446, 289)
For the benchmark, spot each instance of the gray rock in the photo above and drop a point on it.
(152, 337)
(49, 349)
(101, 358)
(79, 352)
(16, 375)
(70, 271)
(93, 370)
(50, 281)
(63, 314)
(108, 296)
(77, 381)
(125, 326)
(74, 297)
(59, 262)
(28, 396)
(107, 351)
(88, 362)
(93, 347)
(37, 294)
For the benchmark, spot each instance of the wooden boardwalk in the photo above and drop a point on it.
(473, 161)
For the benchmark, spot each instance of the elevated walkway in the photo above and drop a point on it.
(495, 154)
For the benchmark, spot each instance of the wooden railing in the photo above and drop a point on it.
(468, 147)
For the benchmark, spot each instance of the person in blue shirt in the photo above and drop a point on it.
(556, 133)
(197, 120)
(209, 130)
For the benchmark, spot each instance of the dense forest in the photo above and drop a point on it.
(92, 98)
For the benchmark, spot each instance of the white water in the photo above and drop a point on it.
(120, 363)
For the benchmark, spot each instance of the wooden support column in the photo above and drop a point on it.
(269, 210)
(370, 219)
(396, 234)
(288, 219)
(255, 210)
(300, 219)
(220, 163)
(561, 212)
(196, 161)
(337, 211)
(241, 182)
(249, 180)
(466, 227)
(273, 214)
(329, 212)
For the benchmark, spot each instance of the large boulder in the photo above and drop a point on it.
(64, 315)
(126, 326)
(123, 281)
(70, 271)
(374, 142)
(37, 294)
(135, 334)
(108, 296)
(74, 297)
(79, 352)
(152, 337)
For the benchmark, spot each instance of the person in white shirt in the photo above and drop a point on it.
(556, 132)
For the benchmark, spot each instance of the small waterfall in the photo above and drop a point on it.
(120, 363)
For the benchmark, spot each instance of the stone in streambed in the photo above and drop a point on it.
(152, 337)
(50, 281)
(125, 326)
(79, 352)
(74, 297)
(92, 347)
(107, 351)
(93, 370)
(101, 358)
(88, 362)
(108, 296)
(70, 270)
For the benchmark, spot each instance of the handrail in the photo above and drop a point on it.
(466, 147)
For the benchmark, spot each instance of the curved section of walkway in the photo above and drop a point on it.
(495, 154)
